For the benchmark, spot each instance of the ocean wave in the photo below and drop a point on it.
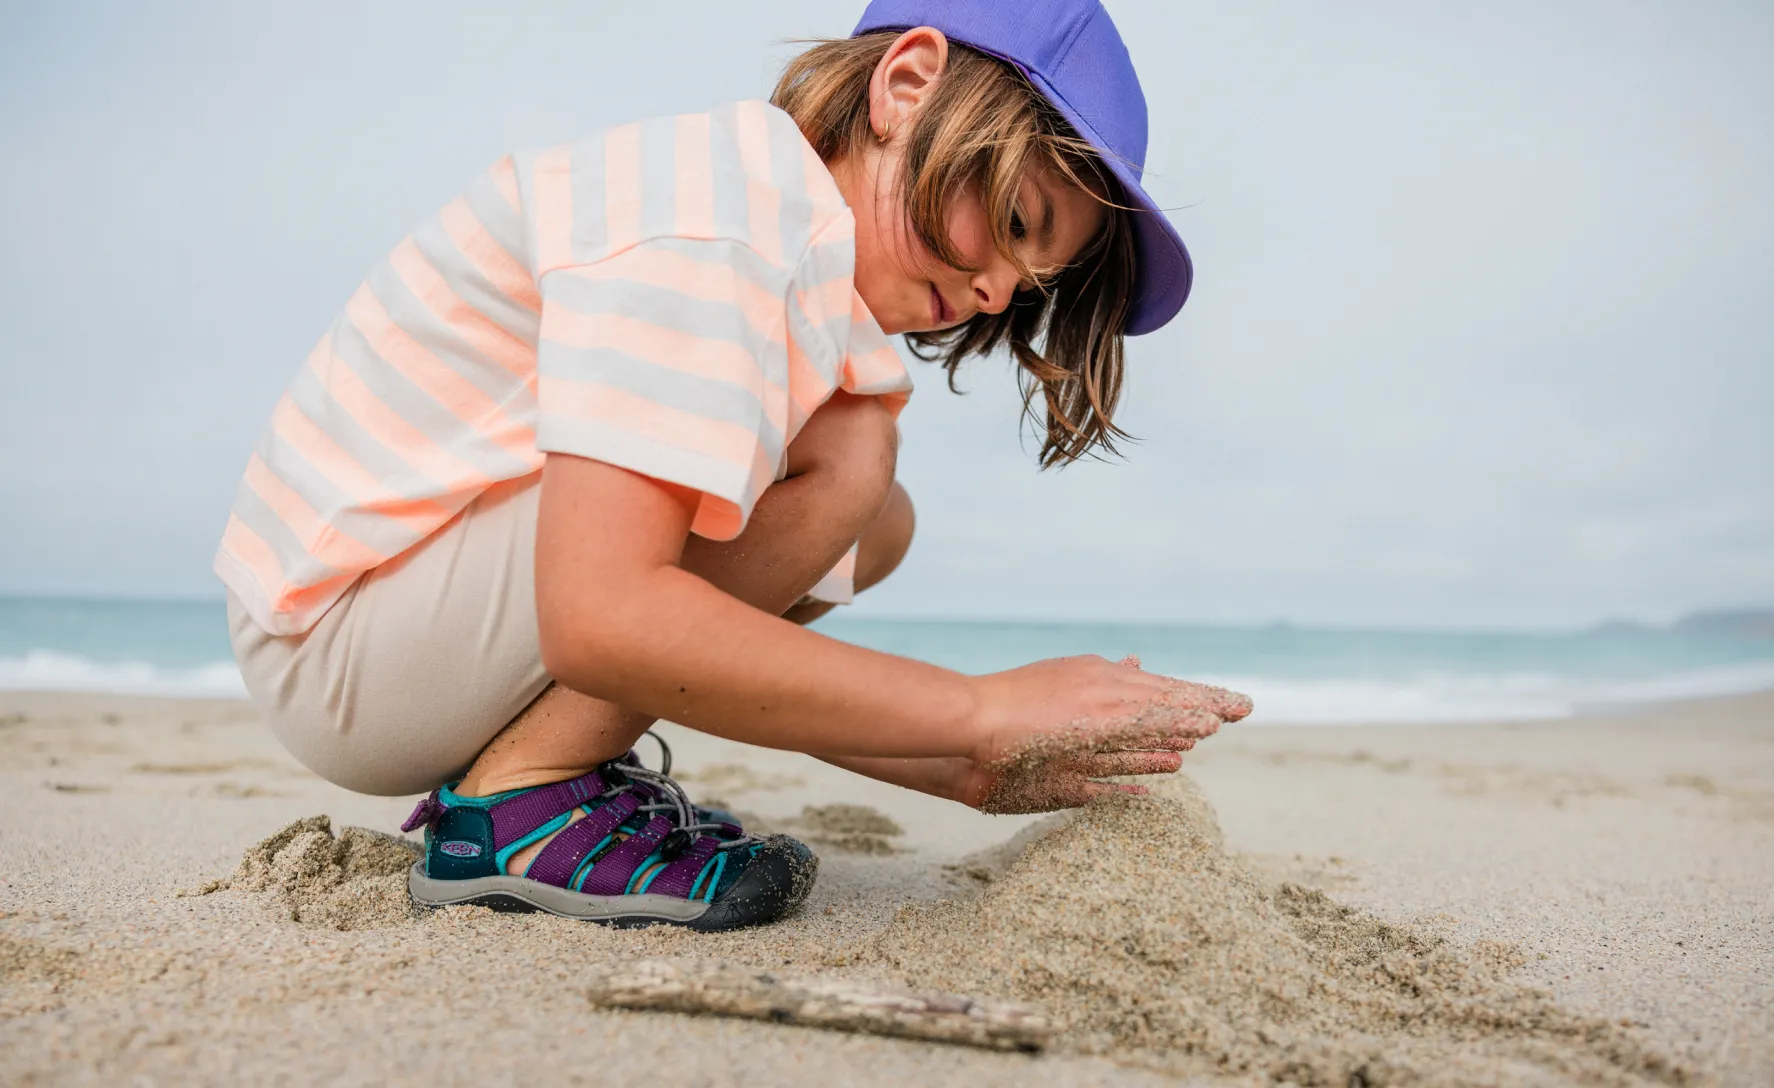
(1442, 697)
(46, 670)
(1454, 698)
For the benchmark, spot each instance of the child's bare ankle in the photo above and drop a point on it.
(479, 782)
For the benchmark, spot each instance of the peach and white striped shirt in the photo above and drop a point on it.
(673, 296)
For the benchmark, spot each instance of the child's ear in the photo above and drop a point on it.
(904, 78)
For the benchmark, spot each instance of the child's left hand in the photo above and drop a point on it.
(1060, 783)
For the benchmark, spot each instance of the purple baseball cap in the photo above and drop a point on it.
(1072, 53)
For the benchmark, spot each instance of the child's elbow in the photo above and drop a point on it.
(562, 657)
(579, 645)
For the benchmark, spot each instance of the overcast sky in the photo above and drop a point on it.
(1482, 331)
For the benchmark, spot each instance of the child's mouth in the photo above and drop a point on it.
(940, 314)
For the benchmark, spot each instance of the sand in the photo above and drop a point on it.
(1481, 905)
(851, 829)
(354, 880)
(1143, 938)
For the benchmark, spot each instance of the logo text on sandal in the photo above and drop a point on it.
(456, 848)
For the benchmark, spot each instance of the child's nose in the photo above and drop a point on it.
(993, 288)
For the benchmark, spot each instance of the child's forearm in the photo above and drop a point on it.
(678, 648)
(621, 620)
(947, 778)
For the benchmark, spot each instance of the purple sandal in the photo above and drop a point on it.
(642, 854)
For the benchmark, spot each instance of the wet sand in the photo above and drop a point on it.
(1622, 866)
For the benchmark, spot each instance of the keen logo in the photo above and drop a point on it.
(456, 848)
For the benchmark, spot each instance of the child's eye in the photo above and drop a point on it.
(1017, 230)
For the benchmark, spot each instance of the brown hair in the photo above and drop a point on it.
(982, 128)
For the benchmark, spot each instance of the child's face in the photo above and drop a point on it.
(903, 283)
(908, 289)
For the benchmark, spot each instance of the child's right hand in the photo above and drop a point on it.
(1049, 729)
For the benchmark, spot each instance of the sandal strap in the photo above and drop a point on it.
(514, 819)
(611, 874)
(426, 814)
(559, 860)
(680, 875)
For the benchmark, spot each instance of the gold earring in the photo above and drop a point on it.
(887, 133)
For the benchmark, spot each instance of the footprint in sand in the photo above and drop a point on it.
(849, 829)
(197, 768)
(726, 778)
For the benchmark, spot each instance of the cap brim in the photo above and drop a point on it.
(1165, 271)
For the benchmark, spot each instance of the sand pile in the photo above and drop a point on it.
(1127, 924)
(355, 880)
(1142, 938)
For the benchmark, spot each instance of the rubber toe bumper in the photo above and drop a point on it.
(776, 880)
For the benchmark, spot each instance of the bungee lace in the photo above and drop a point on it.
(670, 798)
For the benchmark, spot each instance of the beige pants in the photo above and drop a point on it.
(406, 678)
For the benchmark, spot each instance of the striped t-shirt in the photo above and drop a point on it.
(673, 296)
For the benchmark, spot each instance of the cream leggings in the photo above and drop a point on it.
(405, 680)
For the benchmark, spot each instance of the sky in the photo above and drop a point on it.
(1482, 332)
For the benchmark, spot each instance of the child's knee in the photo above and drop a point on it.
(886, 541)
(854, 443)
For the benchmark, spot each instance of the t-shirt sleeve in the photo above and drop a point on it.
(835, 343)
(670, 359)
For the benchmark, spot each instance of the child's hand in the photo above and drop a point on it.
(1065, 782)
(1053, 727)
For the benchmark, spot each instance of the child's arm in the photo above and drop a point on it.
(620, 620)
(1064, 785)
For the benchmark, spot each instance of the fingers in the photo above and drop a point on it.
(1054, 785)
(1048, 788)
(1228, 705)
(1161, 727)
(1071, 792)
(1121, 764)
(1104, 789)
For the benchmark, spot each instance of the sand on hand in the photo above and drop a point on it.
(355, 880)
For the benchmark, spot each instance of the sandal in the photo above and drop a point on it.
(642, 855)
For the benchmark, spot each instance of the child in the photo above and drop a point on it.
(587, 446)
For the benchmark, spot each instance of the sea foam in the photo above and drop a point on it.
(46, 670)
(1448, 698)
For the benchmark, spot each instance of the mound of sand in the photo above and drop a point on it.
(1134, 931)
(355, 880)
(1145, 940)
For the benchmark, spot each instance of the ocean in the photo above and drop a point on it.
(1295, 674)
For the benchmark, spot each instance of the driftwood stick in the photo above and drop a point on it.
(821, 1002)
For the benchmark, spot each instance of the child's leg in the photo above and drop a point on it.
(878, 553)
(839, 490)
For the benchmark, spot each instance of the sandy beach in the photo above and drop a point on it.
(1588, 901)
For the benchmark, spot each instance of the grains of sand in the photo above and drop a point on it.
(1143, 939)
(1127, 926)
(845, 828)
(355, 880)
(1051, 771)
(32, 973)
